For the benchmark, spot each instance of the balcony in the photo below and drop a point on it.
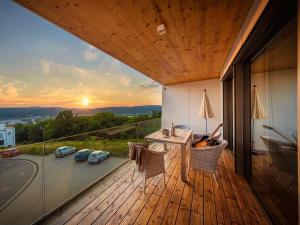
(63, 191)
(200, 200)
(203, 43)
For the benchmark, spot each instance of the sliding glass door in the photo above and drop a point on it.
(274, 126)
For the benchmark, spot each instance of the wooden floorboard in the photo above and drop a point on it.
(199, 200)
(132, 207)
(184, 212)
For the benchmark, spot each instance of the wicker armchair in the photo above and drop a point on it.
(199, 136)
(207, 158)
(153, 163)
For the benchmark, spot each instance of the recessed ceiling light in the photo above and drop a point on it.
(161, 29)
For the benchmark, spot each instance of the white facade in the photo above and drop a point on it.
(7, 136)
(181, 103)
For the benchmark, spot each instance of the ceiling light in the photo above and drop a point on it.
(161, 29)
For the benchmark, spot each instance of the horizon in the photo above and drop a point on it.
(13, 107)
(42, 65)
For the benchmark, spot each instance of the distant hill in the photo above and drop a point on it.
(17, 113)
(132, 110)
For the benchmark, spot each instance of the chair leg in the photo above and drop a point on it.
(145, 185)
(165, 146)
(214, 176)
(132, 174)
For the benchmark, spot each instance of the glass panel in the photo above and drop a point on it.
(47, 174)
(274, 127)
(21, 186)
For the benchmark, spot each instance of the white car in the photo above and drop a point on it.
(64, 150)
(97, 156)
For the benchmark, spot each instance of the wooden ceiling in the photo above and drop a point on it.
(199, 33)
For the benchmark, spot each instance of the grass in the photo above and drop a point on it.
(117, 147)
(112, 139)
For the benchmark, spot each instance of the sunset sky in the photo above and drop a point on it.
(43, 65)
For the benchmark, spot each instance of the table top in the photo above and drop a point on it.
(181, 136)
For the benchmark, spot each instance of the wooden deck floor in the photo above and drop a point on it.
(117, 200)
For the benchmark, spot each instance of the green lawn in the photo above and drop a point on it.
(117, 147)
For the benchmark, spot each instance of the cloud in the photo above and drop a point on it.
(79, 70)
(90, 55)
(49, 67)
(9, 91)
(151, 85)
(12, 91)
(109, 84)
(125, 81)
(45, 65)
(110, 65)
(60, 92)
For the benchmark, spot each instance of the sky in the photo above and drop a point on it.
(44, 65)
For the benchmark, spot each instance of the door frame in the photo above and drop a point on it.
(228, 109)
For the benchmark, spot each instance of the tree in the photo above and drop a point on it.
(63, 123)
(21, 133)
(66, 124)
(35, 133)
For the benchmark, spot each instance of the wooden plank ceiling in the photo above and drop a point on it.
(199, 33)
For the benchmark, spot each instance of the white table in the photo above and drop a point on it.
(182, 137)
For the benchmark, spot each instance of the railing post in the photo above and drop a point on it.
(137, 130)
(43, 173)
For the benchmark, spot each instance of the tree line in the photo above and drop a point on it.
(66, 124)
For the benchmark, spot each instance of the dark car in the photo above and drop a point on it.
(82, 155)
(10, 153)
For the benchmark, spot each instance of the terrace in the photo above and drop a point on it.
(223, 47)
(118, 200)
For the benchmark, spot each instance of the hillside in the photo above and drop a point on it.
(17, 113)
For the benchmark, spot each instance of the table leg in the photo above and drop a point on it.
(183, 162)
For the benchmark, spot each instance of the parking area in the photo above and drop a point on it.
(63, 178)
(15, 175)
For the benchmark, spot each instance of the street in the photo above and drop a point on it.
(63, 178)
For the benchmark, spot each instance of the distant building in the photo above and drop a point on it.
(7, 136)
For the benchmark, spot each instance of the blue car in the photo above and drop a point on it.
(64, 150)
(97, 156)
(82, 155)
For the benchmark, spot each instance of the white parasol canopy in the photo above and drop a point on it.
(205, 110)
(257, 111)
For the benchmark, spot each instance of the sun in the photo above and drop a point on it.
(85, 101)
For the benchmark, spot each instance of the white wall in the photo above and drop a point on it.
(181, 103)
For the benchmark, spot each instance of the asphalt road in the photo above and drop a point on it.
(15, 175)
(63, 177)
